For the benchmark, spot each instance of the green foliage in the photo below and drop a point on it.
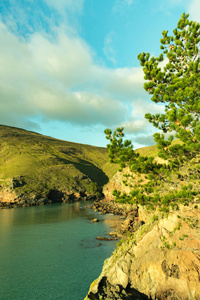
(145, 195)
(116, 193)
(121, 151)
(93, 188)
(154, 218)
(172, 79)
(177, 86)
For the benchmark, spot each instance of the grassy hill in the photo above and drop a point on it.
(39, 164)
(37, 169)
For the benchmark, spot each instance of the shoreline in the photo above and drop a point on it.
(25, 201)
(128, 214)
(155, 256)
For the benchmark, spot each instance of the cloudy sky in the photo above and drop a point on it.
(69, 68)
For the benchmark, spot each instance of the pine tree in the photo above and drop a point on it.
(177, 86)
(119, 151)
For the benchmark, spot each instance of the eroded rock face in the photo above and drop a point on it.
(160, 261)
(11, 195)
(117, 182)
(7, 196)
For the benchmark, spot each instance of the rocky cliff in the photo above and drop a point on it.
(158, 256)
(123, 182)
(13, 194)
(160, 260)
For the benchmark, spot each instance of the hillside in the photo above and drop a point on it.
(35, 169)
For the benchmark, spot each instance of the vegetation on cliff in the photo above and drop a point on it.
(176, 86)
(158, 256)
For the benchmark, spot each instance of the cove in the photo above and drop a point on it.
(51, 252)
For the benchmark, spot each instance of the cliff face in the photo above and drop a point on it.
(121, 181)
(159, 255)
(13, 194)
(161, 260)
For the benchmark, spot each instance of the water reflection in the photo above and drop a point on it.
(51, 248)
(27, 216)
(7, 217)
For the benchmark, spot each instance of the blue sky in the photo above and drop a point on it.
(69, 69)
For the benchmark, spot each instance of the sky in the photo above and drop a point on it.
(69, 68)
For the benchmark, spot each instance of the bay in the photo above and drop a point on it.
(51, 252)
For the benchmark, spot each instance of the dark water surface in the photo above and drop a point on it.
(50, 252)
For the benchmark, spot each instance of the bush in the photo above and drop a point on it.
(93, 188)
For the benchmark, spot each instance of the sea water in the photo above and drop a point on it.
(51, 252)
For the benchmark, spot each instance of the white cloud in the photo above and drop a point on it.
(108, 49)
(62, 5)
(59, 81)
(54, 76)
(127, 82)
(168, 6)
(65, 60)
(141, 107)
(144, 140)
(194, 10)
(137, 126)
(51, 75)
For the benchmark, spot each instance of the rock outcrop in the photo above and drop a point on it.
(123, 181)
(11, 195)
(161, 260)
(105, 207)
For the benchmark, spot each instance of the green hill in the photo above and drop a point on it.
(33, 165)
(37, 169)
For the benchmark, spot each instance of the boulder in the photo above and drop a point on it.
(95, 220)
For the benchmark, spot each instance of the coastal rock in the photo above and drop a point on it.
(130, 221)
(7, 197)
(114, 208)
(161, 260)
(102, 238)
(95, 220)
(11, 196)
(8, 193)
(113, 234)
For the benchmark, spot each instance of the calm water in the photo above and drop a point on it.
(50, 252)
